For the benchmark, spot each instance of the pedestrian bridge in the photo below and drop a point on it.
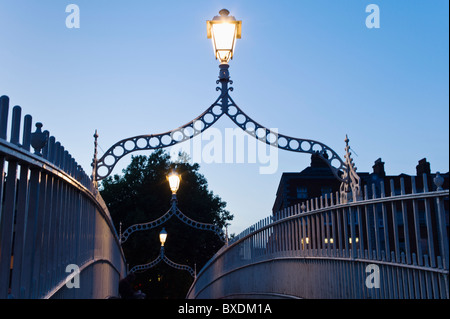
(57, 239)
(385, 245)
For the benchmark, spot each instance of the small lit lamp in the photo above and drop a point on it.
(174, 181)
(223, 30)
(163, 237)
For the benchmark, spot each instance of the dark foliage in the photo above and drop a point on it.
(141, 195)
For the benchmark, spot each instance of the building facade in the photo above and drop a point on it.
(317, 180)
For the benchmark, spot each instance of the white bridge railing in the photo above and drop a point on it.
(57, 239)
(381, 246)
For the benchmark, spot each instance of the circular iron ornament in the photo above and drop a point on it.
(223, 105)
(157, 222)
(162, 257)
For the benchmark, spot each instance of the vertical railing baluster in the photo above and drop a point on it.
(368, 218)
(318, 235)
(394, 223)
(328, 234)
(352, 222)
(15, 125)
(22, 200)
(416, 223)
(376, 225)
(345, 232)
(4, 110)
(429, 224)
(40, 232)
(31, 233)
(385, 223)
(46, 146)
(303, 236)
(7, 213)
(361, 235)
(443, 236)
(45, 265)
(405, 223)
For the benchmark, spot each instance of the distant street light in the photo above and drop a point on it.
(163, 257)
(223, 30)
(174, 183)
(163, 237)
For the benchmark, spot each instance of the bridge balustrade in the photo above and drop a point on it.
(57, 237)
(382, 246)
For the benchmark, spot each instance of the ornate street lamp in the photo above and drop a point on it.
(223, 30)
(174, 181)
(163, 257)
(163, 237)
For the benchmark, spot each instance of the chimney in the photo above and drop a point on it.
(378, 168)
(423, 167)
(316, 161)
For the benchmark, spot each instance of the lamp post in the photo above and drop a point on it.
(163, 237)
(223, 30)
(174, 184)
(163, 257)
(174, 180)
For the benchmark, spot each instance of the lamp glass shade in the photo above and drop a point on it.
(224, 30)
(163, 236)
(174, 182)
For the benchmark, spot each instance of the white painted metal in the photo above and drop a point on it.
(289, 256)
(52, 216)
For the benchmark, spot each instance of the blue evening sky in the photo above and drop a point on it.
(309, 68)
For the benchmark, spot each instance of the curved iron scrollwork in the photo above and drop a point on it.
(223, 105)
(145, 226)
(104, 166)
(162, 257)
(353, 181)
(173, 211)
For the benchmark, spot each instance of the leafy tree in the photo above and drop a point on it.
(141, 195)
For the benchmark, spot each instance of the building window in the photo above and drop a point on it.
(302, 192)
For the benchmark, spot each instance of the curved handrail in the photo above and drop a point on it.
(53, 216)
(337, 231)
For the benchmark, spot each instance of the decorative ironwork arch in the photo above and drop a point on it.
(224, 104)
(162, 257)
(173, 211)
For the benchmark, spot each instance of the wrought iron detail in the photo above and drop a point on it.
(94, 162)
(173, 211)
(39, 139)
(162, 257)
(223, 105)
(145, 226)
(352, 182)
